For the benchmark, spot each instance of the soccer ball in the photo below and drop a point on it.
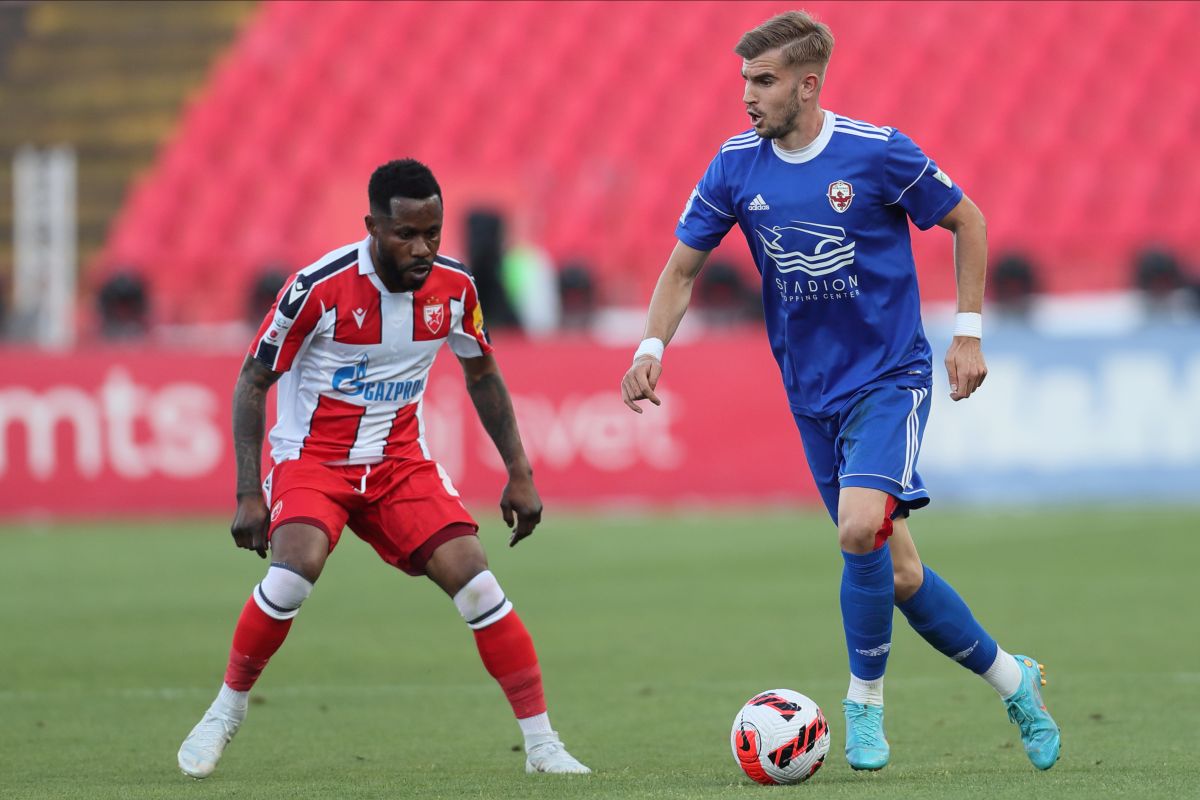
(780, 736)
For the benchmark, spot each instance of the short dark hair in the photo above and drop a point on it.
(803, 39)
(405, 177)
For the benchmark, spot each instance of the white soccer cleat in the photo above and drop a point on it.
(202, 749)
(545, 753)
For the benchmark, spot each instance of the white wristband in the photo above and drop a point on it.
(650, 347)
(968, 323)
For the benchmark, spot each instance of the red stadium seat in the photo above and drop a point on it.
(596, 119)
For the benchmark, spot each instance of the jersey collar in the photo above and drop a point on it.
(810, 150)
(365, 265)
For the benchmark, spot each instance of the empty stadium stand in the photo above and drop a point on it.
(1072, 125)
(108, 78)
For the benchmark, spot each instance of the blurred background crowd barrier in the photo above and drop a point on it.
(166, 166)
(1081, 419)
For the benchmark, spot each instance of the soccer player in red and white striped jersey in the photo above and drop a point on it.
(350, 340)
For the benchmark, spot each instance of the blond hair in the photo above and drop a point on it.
(803, 40)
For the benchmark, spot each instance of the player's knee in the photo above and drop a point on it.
(482, 602)
(456, 562)
(302, 547)
(856, 533)
(282, 591)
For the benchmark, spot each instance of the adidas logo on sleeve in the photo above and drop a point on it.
(758, 204)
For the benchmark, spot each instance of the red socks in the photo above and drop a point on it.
(255, 640)
(505, 647)
(507, 652)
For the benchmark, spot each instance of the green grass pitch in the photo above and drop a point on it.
(652, 631)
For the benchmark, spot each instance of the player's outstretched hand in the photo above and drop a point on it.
(965, 367)
(639, 382)
(521, 508)
(249, 526)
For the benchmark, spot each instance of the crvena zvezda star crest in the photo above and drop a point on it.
(435, 314)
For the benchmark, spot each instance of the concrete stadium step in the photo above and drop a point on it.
(108, 78)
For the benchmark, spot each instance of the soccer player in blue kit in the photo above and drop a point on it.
(824, 202)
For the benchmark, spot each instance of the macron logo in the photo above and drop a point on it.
(359, 316)
(758, 204)
(296, 292)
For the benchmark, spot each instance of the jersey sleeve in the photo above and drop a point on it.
(708, 215)
(913, 181)
(469, 337)
(286, 326)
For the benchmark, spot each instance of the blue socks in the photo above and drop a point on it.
(868, 595)
(943, 619)
(936, 612)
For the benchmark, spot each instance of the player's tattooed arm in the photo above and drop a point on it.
(249, 421)
(519, 504)
(249, 526)
(490, 396)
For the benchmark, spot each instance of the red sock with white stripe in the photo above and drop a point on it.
(506, 649)
(264, 624)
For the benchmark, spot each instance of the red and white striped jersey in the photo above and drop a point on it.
(356, 356)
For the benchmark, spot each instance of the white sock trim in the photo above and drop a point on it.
(281, 592)
(232, 699)
(870, 692)
(1003, 675)
(482, 602)
(539, 724)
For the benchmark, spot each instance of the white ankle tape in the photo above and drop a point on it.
(281, 592)
(482, 602)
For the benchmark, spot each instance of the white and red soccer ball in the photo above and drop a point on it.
(780, 736)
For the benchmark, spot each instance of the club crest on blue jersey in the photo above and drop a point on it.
(841, 195)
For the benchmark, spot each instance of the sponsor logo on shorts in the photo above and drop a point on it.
(276, 509)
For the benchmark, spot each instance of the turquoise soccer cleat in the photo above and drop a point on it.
(866, 746)
(1025, 707)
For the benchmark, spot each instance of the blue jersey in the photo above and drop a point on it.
(828, 227)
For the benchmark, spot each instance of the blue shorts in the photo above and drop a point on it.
(872, 442)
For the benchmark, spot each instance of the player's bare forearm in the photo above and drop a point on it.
(673, 291)
(967, 224)
(489, 394)
(965, 365)
(249, 421)
(667, 307)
